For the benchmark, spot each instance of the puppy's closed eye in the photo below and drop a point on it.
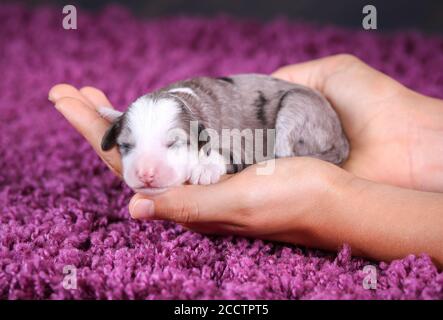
(125, 147)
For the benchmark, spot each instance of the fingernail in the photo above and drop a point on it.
(143, 209)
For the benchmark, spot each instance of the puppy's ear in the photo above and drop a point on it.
(110, 137)
(109, 113)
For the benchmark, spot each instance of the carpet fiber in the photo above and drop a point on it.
(59, 205)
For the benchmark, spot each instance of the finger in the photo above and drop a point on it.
(225, 177)
(89, 123)
(302, 73)
(190, 204)
(96, 97)
(315, 73)
(63, 90)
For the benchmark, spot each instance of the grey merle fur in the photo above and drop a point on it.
(304, 122)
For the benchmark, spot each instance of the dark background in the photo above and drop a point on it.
(423, 15)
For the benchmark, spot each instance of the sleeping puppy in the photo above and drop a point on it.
(199, 129)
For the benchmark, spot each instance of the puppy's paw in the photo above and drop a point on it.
(205, 174)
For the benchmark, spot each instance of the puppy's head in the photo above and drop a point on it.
(153, 139)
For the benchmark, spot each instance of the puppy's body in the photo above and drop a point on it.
(304, 123)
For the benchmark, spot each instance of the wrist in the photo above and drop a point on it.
(333, 188)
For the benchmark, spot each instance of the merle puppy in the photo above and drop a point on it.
(199, 129)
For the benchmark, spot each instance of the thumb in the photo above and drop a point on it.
(188, 204)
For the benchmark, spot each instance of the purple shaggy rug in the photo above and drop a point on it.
(59, 205)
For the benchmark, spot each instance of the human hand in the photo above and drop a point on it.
(80, 107)
(294, 204)
(395, 133)
(227, 207)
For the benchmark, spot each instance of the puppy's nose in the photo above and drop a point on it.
(146, 176)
